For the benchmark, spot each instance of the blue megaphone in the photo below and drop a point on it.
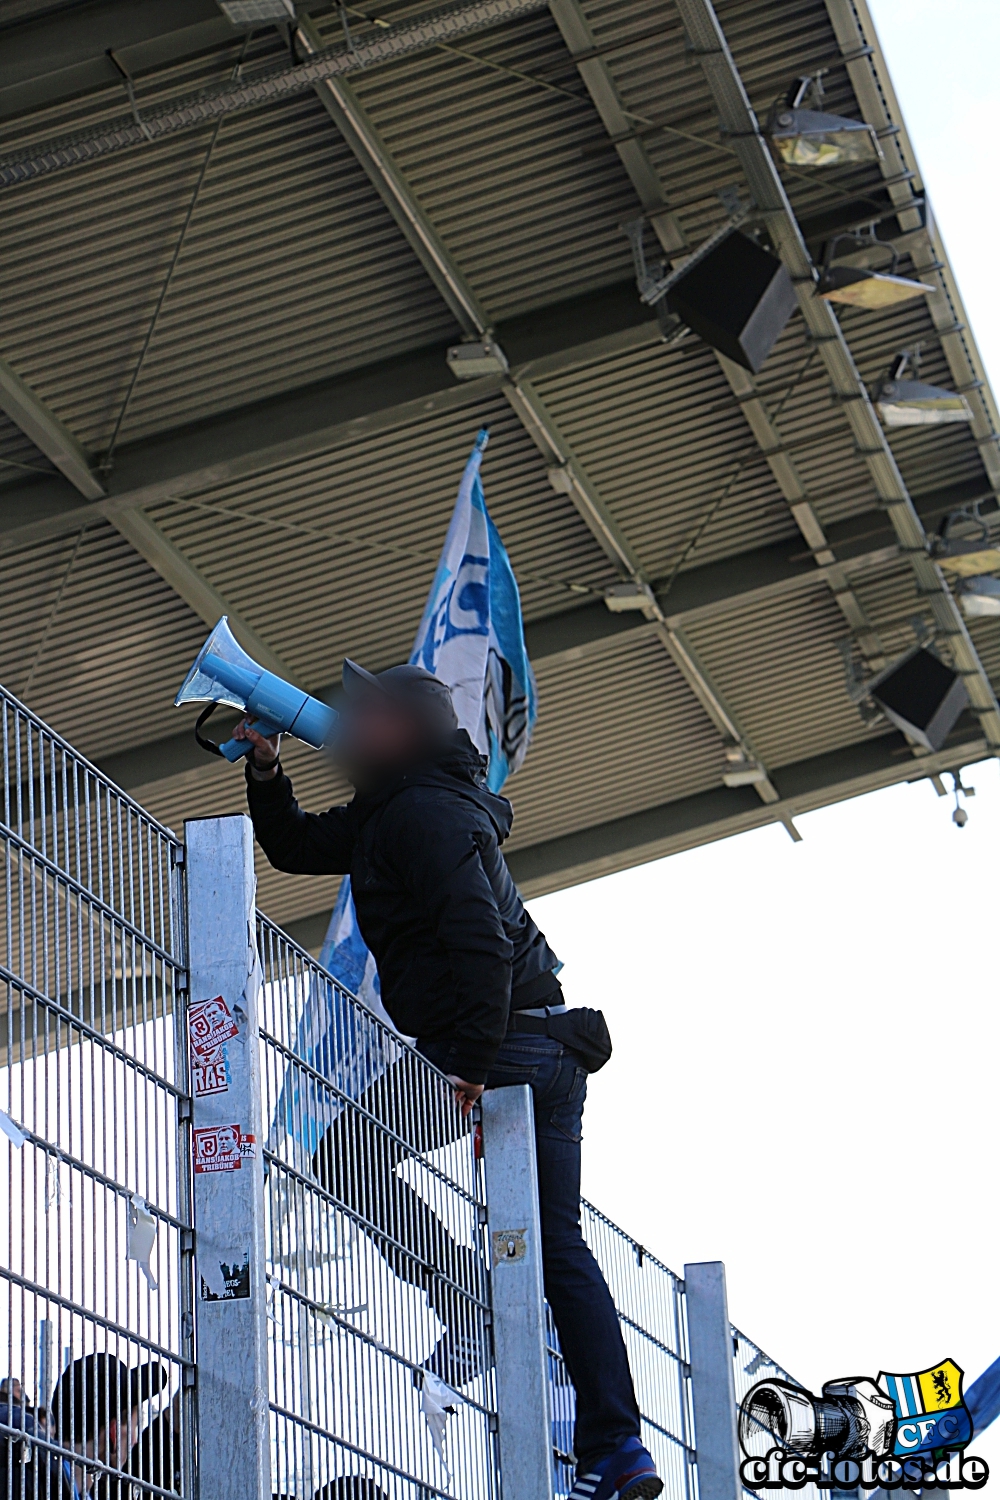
(224, 673)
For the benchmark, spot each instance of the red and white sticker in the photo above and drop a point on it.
(210, 1023)
(217, 1149)
(222, 1148)
(210, 1072)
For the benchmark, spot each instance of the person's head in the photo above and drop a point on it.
(96, 1405)
(391, 720)
(351, 1487)
(11, 1393)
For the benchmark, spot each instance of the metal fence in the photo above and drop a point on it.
(650, 1303)
(380, 1378)
(379, 1299)
(91, 1087)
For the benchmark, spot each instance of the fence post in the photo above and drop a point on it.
(713, 1387)
(522, 1361)
(228, 1178)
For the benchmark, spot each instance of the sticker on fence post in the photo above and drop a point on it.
(509, 1245)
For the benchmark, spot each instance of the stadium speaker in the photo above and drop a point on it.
(738, 299)
(223, 673)
(922, 697)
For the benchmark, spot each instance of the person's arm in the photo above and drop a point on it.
(437, 855)
(297, 842)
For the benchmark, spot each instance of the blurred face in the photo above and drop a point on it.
(375, 735)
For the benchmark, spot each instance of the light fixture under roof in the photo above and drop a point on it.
(478, 357)
(913, 403)
(814, 138)
(861, 287)
(965, 546)
(980, 597)
(257, 12)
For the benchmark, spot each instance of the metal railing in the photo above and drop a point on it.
(378, 1287)
(650, 1302)
(94, 1158)
(379, 1352)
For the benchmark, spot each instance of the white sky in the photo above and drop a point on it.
(804, 1079)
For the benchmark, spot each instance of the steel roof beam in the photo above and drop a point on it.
(573, 480)
(48, 434)
(192, 586)
(620, 125)
(58, 444)
(706, 817)
(789, 481)
(729, 586)
(740, 124)
(858, 40)
(652, 194)
(348, 408)
(351, 119)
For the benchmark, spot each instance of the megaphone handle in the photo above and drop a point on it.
(235, 750)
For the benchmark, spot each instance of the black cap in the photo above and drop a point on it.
(417, 689)
(98, 1389)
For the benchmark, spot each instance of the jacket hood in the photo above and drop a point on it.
(458, 767)
(458, 761)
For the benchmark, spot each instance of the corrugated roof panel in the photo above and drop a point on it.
(352, 538)
(779, 669)
(93, 639)
(641, 741)
(662, 437)
(19, 458)
(502, 165)
(618, 730)
(292, 270)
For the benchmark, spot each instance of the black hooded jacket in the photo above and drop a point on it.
(434, 898)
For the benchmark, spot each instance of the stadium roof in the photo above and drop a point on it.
(233, 262)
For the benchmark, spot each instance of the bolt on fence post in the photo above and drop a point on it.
(713, 1387)
(227, 1166)
(522, 1362)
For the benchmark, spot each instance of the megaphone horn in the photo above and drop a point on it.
(223, 673)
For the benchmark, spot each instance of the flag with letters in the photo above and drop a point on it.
(931, 1414)
(471, 636)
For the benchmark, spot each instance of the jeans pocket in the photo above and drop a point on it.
(567, 1115)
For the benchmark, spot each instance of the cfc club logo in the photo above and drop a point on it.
(895, 1430)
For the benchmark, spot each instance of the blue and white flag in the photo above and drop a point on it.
(472, 634)
(471, 637)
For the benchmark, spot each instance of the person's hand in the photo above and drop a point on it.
(466, 1094)
(265, 750)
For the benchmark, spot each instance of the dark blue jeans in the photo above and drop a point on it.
(589, 1331)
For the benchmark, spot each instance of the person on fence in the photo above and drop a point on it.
(95, 1411)
(462, 967)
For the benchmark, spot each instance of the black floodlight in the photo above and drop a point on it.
(814, 138)
(913, 403)
(738, 298)
(980, 597)
(921, 696)
(732, 292)
(860, 287)
(965, 546)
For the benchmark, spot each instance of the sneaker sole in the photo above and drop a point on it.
(643, 1489)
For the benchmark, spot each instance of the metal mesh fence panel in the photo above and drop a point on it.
(650, 1303)
(750, 1365)
(380, 1378)
(93, 1147)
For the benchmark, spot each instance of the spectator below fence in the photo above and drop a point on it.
(15, 1452)
(95, 1412)
(462, 967)
(352, 1487)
